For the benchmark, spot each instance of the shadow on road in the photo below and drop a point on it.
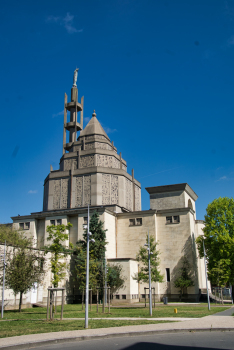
(158, 346)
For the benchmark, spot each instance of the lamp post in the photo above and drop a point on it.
(207, 290)
(150, 294)
(105, 282)
(87, 275)
(3, 284)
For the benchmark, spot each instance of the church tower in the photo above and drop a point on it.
(91, 170)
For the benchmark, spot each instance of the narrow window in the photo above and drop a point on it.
(21, 225)
(190, 205)
(52, 222)
(85, 220)
(59, 222)
(139, 221)
(176, 219)
(131, 222)
(168, 275)
(27, 225)
(169, 219)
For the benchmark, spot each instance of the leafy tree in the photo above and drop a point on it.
(142, 257)
(57, 235)
(13, 237)
(219, 241)
(115, 279)
(24, 268)
(80, 269)
(97, 248)
(97, 251)
(184, 278)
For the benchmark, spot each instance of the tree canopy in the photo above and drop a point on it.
(142, 257)
(115, 278)
(24, 268)
(184, 277)
(219, 241)
(14, 238)
(97, 251)
(57, 236)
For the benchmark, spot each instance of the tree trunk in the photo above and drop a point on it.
(181, 292)
(20, 301)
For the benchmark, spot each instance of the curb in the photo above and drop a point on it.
(111, 335)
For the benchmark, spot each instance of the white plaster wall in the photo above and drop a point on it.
(41, 229)
(200, 262)
(110, 225)
(80, 225)
(186, 198)
(126, 275)
(133, 271)
(73, 232)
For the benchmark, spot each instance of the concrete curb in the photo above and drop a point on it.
(110, 335)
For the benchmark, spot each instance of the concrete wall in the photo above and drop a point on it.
(110, 225)
(129, 292)
(199, 225)
(175, 242)
(130, 238)
(167, 200)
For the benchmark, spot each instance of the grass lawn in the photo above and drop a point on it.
(74, 311)
(32, 321)
(23, 327)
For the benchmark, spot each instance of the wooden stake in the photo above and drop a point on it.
(48, 303)
(62, 304)
(97, 300)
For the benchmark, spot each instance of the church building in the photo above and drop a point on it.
(92, 172)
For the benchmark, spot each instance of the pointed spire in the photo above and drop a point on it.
(93, 127)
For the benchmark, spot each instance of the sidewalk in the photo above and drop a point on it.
(208, 323)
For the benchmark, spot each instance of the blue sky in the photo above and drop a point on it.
(158, 73)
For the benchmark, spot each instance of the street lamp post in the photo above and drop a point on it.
(105, 282)
(150, 292)
(87, 276)
(3, 284)
(207, 289)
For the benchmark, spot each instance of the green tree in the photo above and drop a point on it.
(142, 257)
(115, 278)
(219, 241)
(97, 251)
(24, 268)
(57, 236)
(80, 259)
(97, 248)
(13, 237)
(184, 278)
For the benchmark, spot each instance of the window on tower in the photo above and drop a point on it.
(172, 219)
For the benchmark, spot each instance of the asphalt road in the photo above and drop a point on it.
(169, 341)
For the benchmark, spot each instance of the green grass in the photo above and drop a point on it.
(74, 311)
(32, 321)
(23, 327)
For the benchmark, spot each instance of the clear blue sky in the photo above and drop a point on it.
(160, 75)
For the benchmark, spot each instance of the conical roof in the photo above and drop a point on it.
(93, 128)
